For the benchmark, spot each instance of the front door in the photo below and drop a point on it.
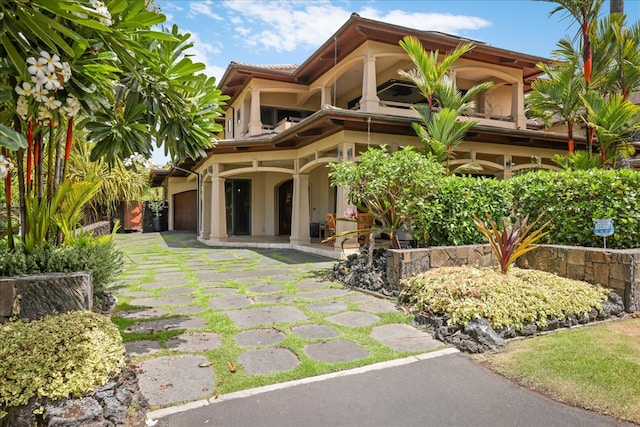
(285, 198)
(238, 206)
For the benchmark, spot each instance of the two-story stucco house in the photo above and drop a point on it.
(267, 176)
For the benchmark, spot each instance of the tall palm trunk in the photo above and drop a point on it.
(616, 6)
(7, 193)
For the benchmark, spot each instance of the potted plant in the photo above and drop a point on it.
(157, 206)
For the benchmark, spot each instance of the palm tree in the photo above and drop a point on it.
(117, 183)
(621, 44)
(440, 131)
(430, 68)
(615, 122)
(558, 95)
(616, 6)
(441, 134)
(585, 12)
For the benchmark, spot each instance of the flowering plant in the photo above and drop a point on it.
(5, 166)
(48, 77)
(157, 206)
(137, 159)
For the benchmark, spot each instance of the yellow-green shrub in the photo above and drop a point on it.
(521, 297)
(57, 357)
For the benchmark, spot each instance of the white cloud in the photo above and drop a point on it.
(284, 26)
(197, 9)
(443, 22)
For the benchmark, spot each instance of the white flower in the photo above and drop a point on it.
(50, 82)
(73, 106)
(37, 68)
(51, 61)
(66, 71)
(25, 90)
(5, 166)
(40, 93)
(52, 104)
(44, 115)
(102, 9)
(105, 21)
(22, 107)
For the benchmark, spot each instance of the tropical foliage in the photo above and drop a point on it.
(75, 65)
(590, 84)
(81, 253)
(515, 238)
(440, 130)
(572, 200)
(447, 218)
(390, 187)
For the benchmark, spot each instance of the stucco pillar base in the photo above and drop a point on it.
(212, 241)
(300, 241)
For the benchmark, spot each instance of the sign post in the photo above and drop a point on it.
(603, 227)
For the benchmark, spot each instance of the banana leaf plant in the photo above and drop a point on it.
(516, 238)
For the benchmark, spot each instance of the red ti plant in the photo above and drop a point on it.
(514, 240)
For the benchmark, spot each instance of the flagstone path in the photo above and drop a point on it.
(267, 295)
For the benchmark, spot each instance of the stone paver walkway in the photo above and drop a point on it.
(264, 296)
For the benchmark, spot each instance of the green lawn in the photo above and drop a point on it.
(596, 367)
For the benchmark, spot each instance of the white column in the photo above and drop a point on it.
(205, 216)
(325, 96)
(218, 218)
(255, 122)
(347, 152)
(300, 217)
(517, 106)
(369, 101)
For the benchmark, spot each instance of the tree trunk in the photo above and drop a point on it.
(22, 191)
(616, 6)
(7, 192)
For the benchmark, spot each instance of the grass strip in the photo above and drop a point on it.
(595, 367)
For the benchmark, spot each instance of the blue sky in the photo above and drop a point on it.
(288, 32)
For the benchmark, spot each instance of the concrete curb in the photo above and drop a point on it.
(160, 413)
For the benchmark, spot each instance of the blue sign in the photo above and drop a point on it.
(603, 227)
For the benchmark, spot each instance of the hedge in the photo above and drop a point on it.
(573, 200)
(570, 200)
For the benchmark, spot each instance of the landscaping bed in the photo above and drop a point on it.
(476, 309)
(66, 370)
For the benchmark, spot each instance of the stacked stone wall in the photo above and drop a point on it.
(618, 269)
(35, 296)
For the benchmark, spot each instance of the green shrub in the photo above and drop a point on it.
(391, 187)
(573, 200)
(524, 296)
(447, 217)
(85, 253)
(58, 356)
